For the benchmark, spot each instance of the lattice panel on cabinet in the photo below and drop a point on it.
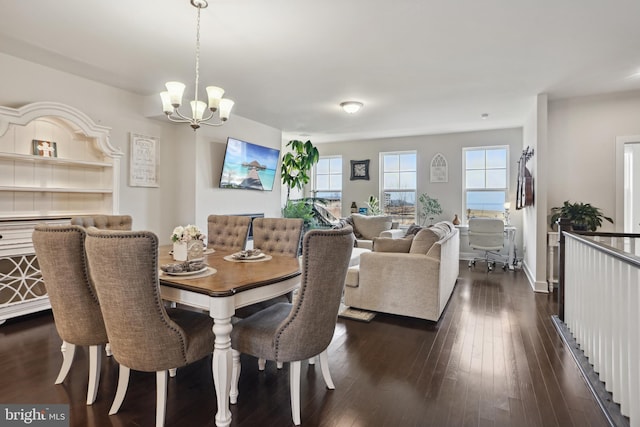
(20, 280)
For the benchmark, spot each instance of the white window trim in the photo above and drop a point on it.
(381, 189)
(464, 170)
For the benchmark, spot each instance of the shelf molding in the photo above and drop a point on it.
(53, 160)
(55, 189)
(82, 122)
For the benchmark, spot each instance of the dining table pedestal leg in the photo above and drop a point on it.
(221, 367)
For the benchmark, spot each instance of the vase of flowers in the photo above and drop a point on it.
(188, 243)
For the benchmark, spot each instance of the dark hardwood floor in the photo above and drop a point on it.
(494, 359)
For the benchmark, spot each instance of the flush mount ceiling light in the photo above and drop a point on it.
(172, 98)
(351, 107)
(484, 116)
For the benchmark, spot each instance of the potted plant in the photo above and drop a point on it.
(374, 206)
(583, 216)
(297, 163)
(429, 208)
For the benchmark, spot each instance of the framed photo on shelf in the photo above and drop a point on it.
(44, 148)
(144, 161)
(360, 169)
(362, 211)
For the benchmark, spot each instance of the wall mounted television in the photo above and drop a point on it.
(248, 166)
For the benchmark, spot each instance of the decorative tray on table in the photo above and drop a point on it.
(249, 254)
(186, 268)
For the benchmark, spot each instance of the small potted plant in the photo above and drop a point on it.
(374, 206)
(583, 216)
(429, 208)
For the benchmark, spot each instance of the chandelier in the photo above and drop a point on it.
(172, 98)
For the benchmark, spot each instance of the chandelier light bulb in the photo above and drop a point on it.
(172, 98)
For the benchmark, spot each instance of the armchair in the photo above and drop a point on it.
(366, 228)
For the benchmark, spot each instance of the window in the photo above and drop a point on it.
(485, 180)
(328, 183)
(399, 178)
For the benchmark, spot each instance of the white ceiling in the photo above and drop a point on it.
(419, 66)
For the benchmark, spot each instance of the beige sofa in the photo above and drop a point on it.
(366, 228)
(410, 276)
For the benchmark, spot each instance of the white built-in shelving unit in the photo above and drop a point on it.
(82, 179)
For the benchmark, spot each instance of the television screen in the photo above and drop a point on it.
(249, 166)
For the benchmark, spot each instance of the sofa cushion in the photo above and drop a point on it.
(353, 274)
(389, 244)
(371, 226)
(425, 239)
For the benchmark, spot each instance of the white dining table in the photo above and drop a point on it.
(225, 287)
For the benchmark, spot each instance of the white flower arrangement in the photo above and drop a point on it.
(186, 234)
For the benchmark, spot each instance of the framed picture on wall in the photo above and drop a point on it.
(144, 161)
(359, 169)
(44, 148)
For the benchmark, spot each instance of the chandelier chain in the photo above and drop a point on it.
(172, 98)
(197, 53)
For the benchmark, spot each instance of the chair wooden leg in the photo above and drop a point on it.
(68, 350)
(95, 357)
(172, 372)
(107, 350)
(312, 360)
(294, 386)
(279, 365)
(161, 397)
(261, 364)
(235, 377)
(121, 391)
(324, 366)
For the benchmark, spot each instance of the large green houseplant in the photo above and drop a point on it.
(583, 216)
(297, 164)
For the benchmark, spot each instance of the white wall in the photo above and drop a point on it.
(534, 231)
(185, 193)
(427, 146)
(210, 198)
(582, 142)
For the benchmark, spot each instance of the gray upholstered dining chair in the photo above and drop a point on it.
(227, 232)
(144, 335)
(274, 236)
(60, 251)
(292, 332)
(105, 222)
(278, 236)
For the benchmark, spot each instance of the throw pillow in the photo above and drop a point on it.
(412, 230)
(371, 226)
(425, 239)
(387, 244)
(348, 222)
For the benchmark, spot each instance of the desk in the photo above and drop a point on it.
(553, 241)
(234, 285)
(510, 243)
